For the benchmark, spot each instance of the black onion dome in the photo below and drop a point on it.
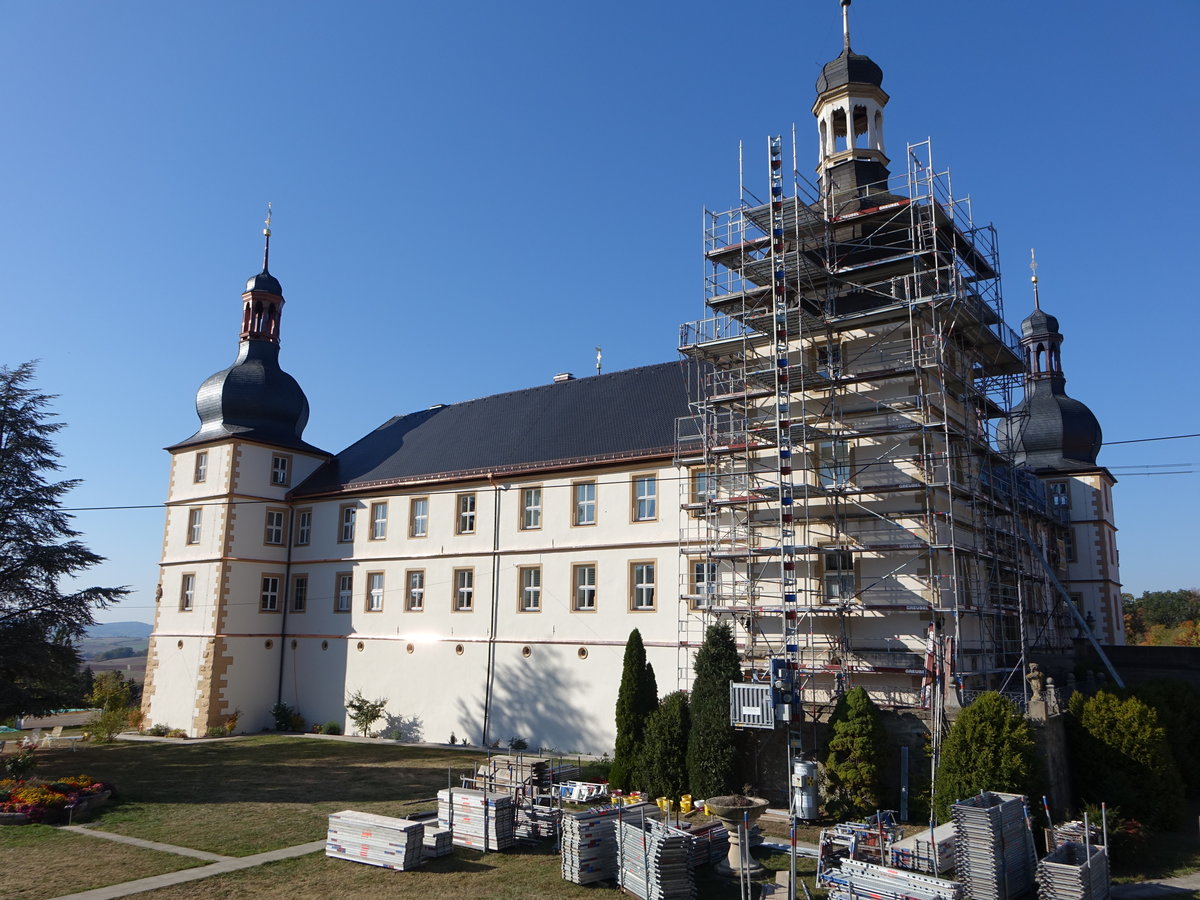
(1038, 322)
(264, 281)
(1049, 430)
(253, 399)
(849, 68)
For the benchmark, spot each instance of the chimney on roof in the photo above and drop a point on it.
(563, 376)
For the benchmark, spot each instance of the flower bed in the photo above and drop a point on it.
(39, 800)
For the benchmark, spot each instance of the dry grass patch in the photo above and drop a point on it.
(38, 861)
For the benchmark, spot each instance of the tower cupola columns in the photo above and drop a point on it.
(262, 302)
(849, 112)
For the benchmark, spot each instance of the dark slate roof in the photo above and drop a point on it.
(1049, 430)
(849, 68)
(264, 281)
(253, 399)
(618, 415)
(1038, 322)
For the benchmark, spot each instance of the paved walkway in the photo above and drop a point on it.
(1167, 887)
(219, 864)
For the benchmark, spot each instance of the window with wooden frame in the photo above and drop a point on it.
(641, 585)
(464, 590)
(465, 521)
(583, 587)
(195, 523)
(418, 517)
(299, 593)
(346, 516)
(343, 595)
(531, 508)
(187, 592)
(584, 503)
(838, 566)
(531, 588)
(281, 470)
(273, 533)
(303, 527)
(645, 498)
(200, 472)
(1059, 493)
(414, 598)
(374, 592)
(379, 516)
(703, 490)
(833, 463)
(269, 595)
(702, 582)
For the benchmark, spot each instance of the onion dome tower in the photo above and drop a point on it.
(254, 398)
(1049, 430)
(849, 111)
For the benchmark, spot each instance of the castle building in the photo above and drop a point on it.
(836, 467)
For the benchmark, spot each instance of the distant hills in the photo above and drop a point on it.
(120, 630)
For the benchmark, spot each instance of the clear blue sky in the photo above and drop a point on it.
(471, 196)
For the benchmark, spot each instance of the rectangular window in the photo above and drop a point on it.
(641, 585)
(839, 575)
(269, 598)
(187, 592)
(1069, 537)
(645, 498)
(345, 591)
(281, 468)
(531, 508)
(274, 530)
(346, 523)
(1060, 495)
(583, 577)
(195, 517)
(704, 487)
(374, 592)
(415, 597)
(378, 521)
(299, 593)
(419, 517)
(829, 360)
(531, 589)
(464, 590)
(704, 583)
(585, 503)
(833, 463)
(466, 514)
(201, 472)
(303, 527)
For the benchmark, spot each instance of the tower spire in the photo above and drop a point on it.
(267, 239)
(1037, 304)
(846, 24)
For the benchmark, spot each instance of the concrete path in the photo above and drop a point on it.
(225, 864)
(147, 845)
(1167, 887)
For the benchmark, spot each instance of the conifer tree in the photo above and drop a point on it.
(855, 754)
(636, 699)
(712, 745)
(663, 768)
(39, 619)
(989, 748)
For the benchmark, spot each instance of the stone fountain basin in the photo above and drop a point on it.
(735, 806)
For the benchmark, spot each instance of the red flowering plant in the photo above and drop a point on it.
(43, 801)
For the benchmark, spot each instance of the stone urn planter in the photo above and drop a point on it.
(738, 814)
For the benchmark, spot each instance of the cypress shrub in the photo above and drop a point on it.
(1120, 755)
(663, 771)
(636, 699)
(855, 756)
(989, 748)
(712, 745)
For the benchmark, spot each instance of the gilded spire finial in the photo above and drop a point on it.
(1033, 265)
(846, 23)
(267, 238)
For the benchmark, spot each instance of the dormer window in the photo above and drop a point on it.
(281, 467)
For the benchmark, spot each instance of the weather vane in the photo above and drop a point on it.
(267, 220)
(1033, 265)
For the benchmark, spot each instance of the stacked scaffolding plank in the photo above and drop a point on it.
(854, 880)
(589, 843)
(654, 861)
(479, 820)
(993, 847)
(537, 819)
(1073, 871)
(375, 840)
(507, 773)
(438, 842)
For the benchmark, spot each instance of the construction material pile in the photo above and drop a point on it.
(854, 879)
(916, 851)
(375, 840)
(993, 849)
(478, 820)
(708, 843)
(1076, 831)
(654, 860)
(537, 819)
(507, 773)
(589, 843)
(438, 842)
(1073, 871)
